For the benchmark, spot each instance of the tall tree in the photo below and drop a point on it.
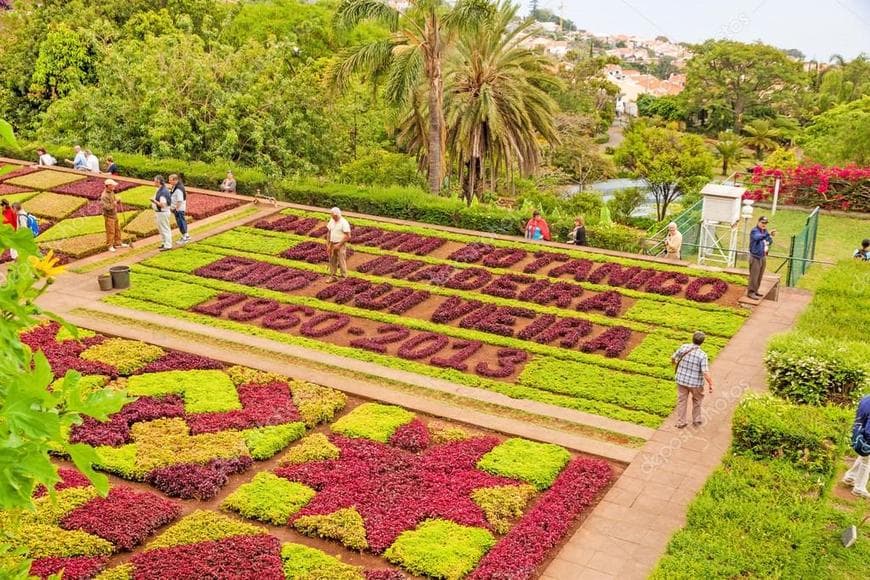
(671, 163)
(496, 100)
(840, 136)
(729, 147)
(420, 38)
(728, 80)
(761, 136)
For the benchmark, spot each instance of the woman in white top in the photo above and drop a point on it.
(45, 158)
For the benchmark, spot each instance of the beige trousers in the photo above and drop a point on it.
(683, 395)
(113, 232)
(338, 260)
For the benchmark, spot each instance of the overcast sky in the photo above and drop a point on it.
(818, 28)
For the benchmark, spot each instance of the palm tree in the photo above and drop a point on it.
(497, 105)
(761, 136)
(420, 38)
(730, 148)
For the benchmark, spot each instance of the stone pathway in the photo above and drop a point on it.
(627, 533)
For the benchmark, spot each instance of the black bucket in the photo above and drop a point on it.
(120, 277)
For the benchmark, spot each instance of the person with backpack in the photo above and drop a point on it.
(109, 206)
(160, 203)
(178, 200)
(859, 474)
(693, 370)
(25, 220)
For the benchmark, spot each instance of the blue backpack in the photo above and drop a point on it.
(33, 224)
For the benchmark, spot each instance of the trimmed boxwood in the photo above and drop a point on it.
(440, 549)
(536, 463)
(269, 498)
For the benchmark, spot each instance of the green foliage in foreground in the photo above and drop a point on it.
(752, 519)
(810, 437)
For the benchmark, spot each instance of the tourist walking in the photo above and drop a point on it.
(45, 158)
(178, 198)
(693, 370)
(673, 242)
(859, 474)
(537, 228)
(161, 203)
(337, 237)
(228, 185)
(863, 253)
(92, 161)
(80, 161)
(109, 206)
(25, 221)
(759, 242)
(578, 234)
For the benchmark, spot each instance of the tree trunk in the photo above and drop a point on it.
(724, 166)
(436, 108)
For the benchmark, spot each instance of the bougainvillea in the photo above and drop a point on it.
(839, 188)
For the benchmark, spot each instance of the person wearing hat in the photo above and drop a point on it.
(673, 242)
(337, 237)
(693, 370)
(759, 241)
(109, 205)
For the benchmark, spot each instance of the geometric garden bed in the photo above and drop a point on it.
(285, 479)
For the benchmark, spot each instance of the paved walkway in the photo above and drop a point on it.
(628, 532)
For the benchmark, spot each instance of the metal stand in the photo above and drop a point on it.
(718, 244)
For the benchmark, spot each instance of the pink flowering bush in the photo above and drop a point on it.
(520, 553)
(841, 188)
(125, 517)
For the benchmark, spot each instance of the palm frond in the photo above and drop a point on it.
(352, 12)
(373, 58)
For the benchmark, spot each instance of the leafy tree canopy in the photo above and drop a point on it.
(840, 136)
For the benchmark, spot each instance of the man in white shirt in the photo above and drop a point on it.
(93, 162)
(337, 237)
(80, 162)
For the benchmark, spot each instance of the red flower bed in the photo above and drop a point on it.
(526, 546)
(471, 253)
(262, 405)
(195, 481)
(201, 206)
(508, 359)
(23, 170)
(384, 574)
(9, 189)
(68, 478)
(257, 274)
(74, 568)
(63, 356)
(612, 341)
(116, 431)
(91, 188)
(238, 558)
(543, 259)
(504, 257)
(395, 490)
(181, 361)
(93, 207)
(413, 437)
(694, 291)
(125, 517)
(608, 302)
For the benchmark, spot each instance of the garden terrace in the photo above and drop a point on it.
(331, 486)
(66, 203)
(572, 328)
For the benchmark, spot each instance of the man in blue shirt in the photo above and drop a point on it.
(759, 240)
(859, 474)
(80, 161)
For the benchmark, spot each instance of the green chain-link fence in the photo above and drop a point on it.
(802, 250)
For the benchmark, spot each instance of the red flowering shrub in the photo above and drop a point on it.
(196, 481)
(471, 252)
(413, 437)
(612, 341)
(520, 553)
(91, 188)
(841, 188)
(508, 359)
(74, 568)
(125, 517)
(717, 289)
(181, 361)
(248, 557)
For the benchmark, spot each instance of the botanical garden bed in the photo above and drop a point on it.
(570, 328)
(335, 487)
(67, 207)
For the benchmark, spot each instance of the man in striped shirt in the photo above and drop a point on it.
(693, 370)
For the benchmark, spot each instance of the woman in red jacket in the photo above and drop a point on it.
(9, 216)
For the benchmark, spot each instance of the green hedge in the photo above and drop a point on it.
(407, 203)
(809, 437)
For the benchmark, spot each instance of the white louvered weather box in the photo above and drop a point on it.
(721, 203)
